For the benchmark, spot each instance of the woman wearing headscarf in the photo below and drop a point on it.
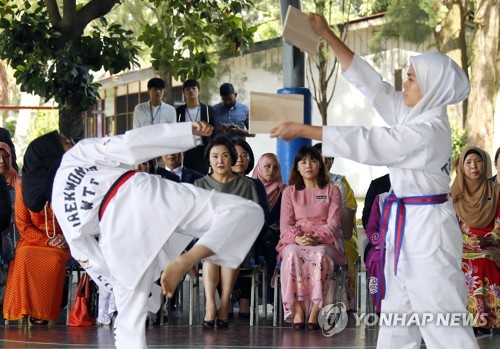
(268, 172)
(421, 235)
(475, 199)
(6, 138)
(12, 177)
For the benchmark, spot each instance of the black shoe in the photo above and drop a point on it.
(313, 326)
(222, 324)
(299, 325)
(208, 324)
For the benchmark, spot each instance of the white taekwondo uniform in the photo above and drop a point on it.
(149, 220)
(417, 150)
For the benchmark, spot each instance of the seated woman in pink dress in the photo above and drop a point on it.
(310, 241)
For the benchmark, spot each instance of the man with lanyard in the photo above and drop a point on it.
(192, 111)
(155, 111)
(422, 267)
(230, 116)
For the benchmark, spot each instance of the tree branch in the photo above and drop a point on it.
(69, 8)
(94, 9)
(53, 11)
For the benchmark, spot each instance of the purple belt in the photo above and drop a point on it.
(400, 223)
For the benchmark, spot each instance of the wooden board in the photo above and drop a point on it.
(297, 31)
(268, 110)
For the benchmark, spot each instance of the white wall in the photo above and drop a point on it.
(348, 106)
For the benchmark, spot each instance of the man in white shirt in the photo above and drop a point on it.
(155, 111)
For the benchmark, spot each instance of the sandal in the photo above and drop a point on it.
(37, 322)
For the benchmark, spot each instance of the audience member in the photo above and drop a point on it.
(194, 110)
(155, 111)
(230, 117)
(268, 171)
(349, 229)
(9, 235)
(37, 273)
(374, 261)
(6, 138)
(497, 168)
(311, 213)
(377, 186)
(174, 166)
(476, 202)
(5, 205)
(243, 167)
(221, 156)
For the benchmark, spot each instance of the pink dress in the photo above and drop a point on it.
(306, 271)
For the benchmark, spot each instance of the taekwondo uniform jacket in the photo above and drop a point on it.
(86, 174)
(417, 153)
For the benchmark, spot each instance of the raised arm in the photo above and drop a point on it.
(342, 52)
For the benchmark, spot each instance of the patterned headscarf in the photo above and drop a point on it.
(41, 161)
(274, 187)
(11, 176)
(475, 200)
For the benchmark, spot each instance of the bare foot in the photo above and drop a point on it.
(172, 274)
(299, 313)
(313, 317)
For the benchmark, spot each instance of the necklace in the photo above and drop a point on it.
(47, 222)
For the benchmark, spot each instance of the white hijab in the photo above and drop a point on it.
(441, 81)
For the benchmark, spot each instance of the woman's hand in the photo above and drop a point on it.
(58, 241)
(287, 131)
(202, 128)
(307, 240)
(318, 24)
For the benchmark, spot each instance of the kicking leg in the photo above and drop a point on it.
(179, 266)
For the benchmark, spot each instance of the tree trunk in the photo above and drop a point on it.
(451, 41)
(168, 96)
(71, 122)
(485, 74)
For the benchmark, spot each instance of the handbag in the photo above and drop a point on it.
(79, 314)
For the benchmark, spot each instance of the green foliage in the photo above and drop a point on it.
(411, 20)
(53, 67)
(189, 32)
(44, 122)
(458, 141)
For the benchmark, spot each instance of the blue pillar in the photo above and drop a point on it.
(286, 150)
